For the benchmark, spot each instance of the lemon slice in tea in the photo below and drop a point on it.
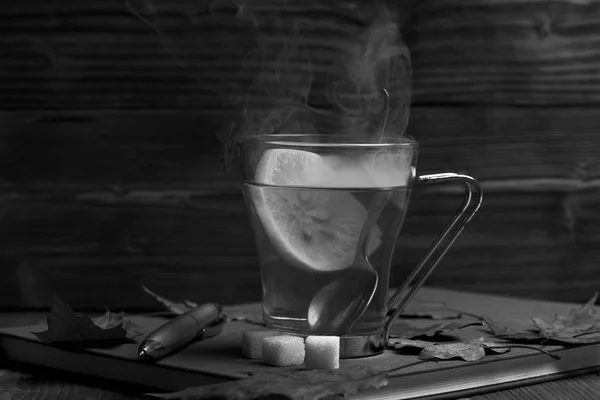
(312, 226)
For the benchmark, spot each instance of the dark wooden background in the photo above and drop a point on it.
(112, 176)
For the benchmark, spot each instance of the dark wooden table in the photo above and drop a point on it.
(28, 383)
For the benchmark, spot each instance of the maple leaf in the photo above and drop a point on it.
(249, 317)
(504, 332)
(179, 308)
(63, 325)
(570, 329)
(174, 307)
(428, 310)
(295, 385)
(576, 328)
(472, 350)
(402, 330)
(558, 331)
(110, 320)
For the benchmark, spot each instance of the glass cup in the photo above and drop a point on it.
(326, 213)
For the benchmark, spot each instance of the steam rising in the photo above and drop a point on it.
(320, 67)
(315, 66)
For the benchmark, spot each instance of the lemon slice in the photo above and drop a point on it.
(312, 226)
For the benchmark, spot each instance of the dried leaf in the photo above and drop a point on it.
(190, 304)
(63, 325)
(581, 326)
(403, 330)
(248, 317)
(429, 310)
(559, 332)
(401, 343)
(175, 308)
(586, 314)
(108, 320)
(496, 348)
(295, 385)
(468, 351)
(503, 332)
(574, 328)
(471, 351)
(133, 330)
(111, 320)
(185, 306)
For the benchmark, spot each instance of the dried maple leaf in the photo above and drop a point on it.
(576, 328)
(249, 317)
(504, 332)
(110, 320)
(402, 330)
(472, 350)
(586, 314)
(400, 343)
(559, 331)
(185, 306)
(295, 385)
(466, 351)
(174, 307)
(582, 321)
(63, 325)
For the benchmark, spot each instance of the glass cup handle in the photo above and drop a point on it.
(471, 203)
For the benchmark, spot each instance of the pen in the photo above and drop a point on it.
(200, 322)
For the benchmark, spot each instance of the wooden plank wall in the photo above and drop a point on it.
(111, 174)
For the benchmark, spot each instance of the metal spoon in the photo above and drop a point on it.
(386, 98)
(338, 305)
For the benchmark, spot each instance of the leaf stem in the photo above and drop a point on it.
(591, 332)
(523, 346)
(480, 323)
(468, 314)
(406, 366)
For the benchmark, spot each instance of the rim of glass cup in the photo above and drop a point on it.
(291, 140)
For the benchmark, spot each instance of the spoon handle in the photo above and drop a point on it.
(376, 205)
(361, 261)
(472, 202)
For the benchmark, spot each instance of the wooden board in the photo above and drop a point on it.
(96, 201)
(526, 52)
(156, 54)
(123, 151)
(112, 176)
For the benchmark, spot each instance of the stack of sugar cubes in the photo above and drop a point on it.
(281, 350)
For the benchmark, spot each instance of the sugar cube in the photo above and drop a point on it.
(252, 340)
(322, 352)
(283, 350)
